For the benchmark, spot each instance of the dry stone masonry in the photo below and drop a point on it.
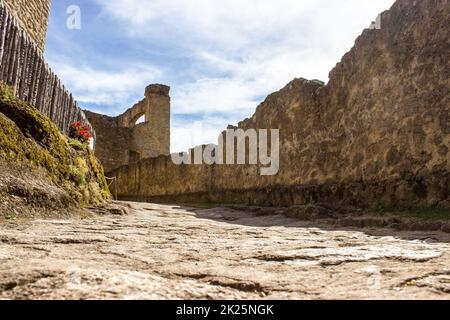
(121, 140)
(23, 67)
(377, 134)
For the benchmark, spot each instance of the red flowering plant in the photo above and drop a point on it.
(80, 132)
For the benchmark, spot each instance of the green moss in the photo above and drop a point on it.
(78, 145)
(383, 208)
(77, 176)
(432, 213)
(27, 136)
(33, 124)
(10, 216)
(14, 146)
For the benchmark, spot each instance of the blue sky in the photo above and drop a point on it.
(220, 57)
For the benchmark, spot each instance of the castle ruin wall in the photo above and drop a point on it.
(121, 141)
(378, 134)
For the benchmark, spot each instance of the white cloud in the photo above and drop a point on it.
(240, 51)
(226, 22)
(194, 133)
(235, 25)
(92, 86)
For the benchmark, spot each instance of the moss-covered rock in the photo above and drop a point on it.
(30, 139)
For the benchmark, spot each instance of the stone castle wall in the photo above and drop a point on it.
(32, 16)
(377, 133)
(121, 141)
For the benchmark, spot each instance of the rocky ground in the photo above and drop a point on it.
(161, 251)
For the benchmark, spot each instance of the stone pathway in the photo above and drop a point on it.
(159, 252)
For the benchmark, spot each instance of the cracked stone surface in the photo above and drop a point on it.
(161, 252)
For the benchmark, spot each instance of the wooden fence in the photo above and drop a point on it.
(24, 68)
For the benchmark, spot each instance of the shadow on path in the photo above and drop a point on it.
(272, 219)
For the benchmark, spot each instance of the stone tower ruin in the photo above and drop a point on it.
(125, 140)
(32, 16)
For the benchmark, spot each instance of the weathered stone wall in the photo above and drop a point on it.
(377, 133)
(121, 141)
(112, 141)
(32, 16)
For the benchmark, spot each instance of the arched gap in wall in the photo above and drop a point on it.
(139, 120)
